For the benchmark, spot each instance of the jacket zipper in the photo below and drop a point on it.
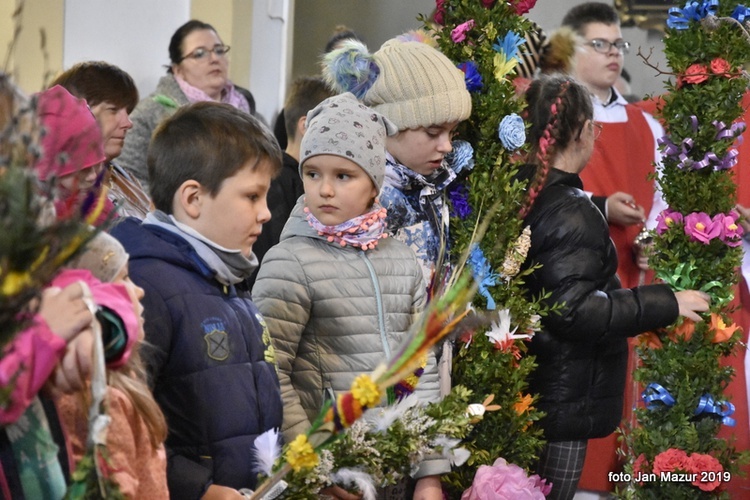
(379, 302)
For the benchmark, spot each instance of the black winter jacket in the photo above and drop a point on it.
(210, 362)
(582, 351)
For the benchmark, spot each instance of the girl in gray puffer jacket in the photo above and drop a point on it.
(337, 295)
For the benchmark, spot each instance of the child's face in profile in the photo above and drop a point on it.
(336, 189)
(136, 294)
(234, 217)
(422, 149)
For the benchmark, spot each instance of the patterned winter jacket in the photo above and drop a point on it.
(335, 312)
(210, 362)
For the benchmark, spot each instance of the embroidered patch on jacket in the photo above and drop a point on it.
(217, 339)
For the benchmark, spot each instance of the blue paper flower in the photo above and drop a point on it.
(459, 197)
(512, 132)
(471, 76)
(483, 274)
(508, 45)
(461, 156)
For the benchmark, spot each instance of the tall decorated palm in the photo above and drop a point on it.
(484, 38)
(673, 449)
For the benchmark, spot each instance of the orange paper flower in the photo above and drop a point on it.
(650, 340)
(523, 404)
(684, 331)
(722, 331)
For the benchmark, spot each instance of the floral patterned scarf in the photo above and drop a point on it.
(362, 232)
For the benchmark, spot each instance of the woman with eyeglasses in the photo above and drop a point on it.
(581, 350)
(199, 71)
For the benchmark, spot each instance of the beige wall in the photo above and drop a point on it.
(232, 20)
(27, 63)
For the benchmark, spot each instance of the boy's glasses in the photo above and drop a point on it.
(604, 46)
(202, 52)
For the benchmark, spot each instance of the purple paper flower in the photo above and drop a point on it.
(699, 227)
(458, 34)
(666, 219)
(512, 132)
(731, 232)
(505, 481)
(458, 195)
(471, 76)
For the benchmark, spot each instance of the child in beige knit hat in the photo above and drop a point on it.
(424, 94)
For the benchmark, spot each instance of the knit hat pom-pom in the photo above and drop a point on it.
(350, 68)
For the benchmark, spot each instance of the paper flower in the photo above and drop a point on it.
(365, 391)
(522, 6)
(731, 232)
(649, 340)
(505, 481)
(640, 466)
(671, 460)
(523, 404)
(701, 463)
(301, 455)
(488, 3)
(666, 219)
(722, 331)
(483, 274)
(458, 194)
(471, 76)
(696, 73)
(500, 333)
(458, 34)
(461, 157)
(508, 46)
(699, 227)
(684, 331)
(439, 16)
(512, 132)
(720, 66)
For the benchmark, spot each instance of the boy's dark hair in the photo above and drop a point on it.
(206, 142)
(99, 81)
(572, 107)
(175, 43)
(305, 93)
(340, 33)
(582, 15)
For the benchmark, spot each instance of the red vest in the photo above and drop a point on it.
(622, 159)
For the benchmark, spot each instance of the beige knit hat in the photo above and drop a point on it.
(418, 86)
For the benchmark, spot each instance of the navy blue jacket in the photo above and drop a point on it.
(582, 351)
(210, 363)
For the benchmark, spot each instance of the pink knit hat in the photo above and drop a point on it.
(71, 139)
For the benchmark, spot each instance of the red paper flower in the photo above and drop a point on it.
(522, 6)
(720, 66)
(439, 16)
(671, 460)
(488, 3)
(640, 466)
(700, 463)
(696, 73)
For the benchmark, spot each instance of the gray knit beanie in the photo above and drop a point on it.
(343, 126)
(418, 86)
(104, 256)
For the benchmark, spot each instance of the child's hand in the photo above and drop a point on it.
(338, 493)
(74, 369)
(65, 311)
(216, 492)
(623, 211)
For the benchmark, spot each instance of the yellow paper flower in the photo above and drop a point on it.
(301, 454)
(14, 283)
(503, 66)
(365, 391)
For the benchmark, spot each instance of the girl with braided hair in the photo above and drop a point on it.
(582, 351)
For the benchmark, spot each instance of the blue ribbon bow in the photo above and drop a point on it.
(721, 409)
(679, 18)
(655, 392)
(741, 13)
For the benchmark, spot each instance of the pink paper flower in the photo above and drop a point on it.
(504, 481)
(700, 463)
(696, 73)
(720, 66)
(666, 219)
(439, 16)
(640, 466)
(671, 460)
(522, 6)
(731, 232)
(700, 227)
(458, 34)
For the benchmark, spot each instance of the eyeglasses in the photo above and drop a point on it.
(604, 46)
(202, 52)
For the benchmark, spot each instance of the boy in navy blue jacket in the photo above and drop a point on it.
(210, 361)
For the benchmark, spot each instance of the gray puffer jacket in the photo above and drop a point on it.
(335, 312)
(149, 113)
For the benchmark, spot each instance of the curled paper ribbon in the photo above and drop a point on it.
(724, 132)
(722, 409)
(680, 153)
(655, 392)
(741, 13)
(679, 18)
